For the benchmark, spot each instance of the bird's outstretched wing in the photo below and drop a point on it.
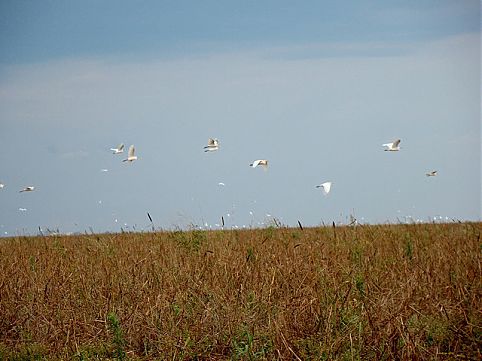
(131, 151)
(255, 163)
(325, 187)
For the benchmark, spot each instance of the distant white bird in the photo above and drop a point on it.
(118, 150)
(27, 189)
(22, 209)
(104, 170)
(392, 147)
(325, 187)
(2, 185)
(130, 156)
(213, 144)
(221, 184)
(260, 162)
(431, 174)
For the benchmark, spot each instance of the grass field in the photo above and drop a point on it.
(346, 293)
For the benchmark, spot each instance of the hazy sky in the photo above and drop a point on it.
(315, 87)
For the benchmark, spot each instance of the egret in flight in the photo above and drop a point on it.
(392, 147)
(260, 162)
(118, 150)
(213, 144)
(27, 189)
(130, 155)
(325, 187)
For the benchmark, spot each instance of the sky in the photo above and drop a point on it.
(315, 87)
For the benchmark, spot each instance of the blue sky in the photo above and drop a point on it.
(37, 31)
(314, 86)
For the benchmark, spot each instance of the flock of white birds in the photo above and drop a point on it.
(213, 145)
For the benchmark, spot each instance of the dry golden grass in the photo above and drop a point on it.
(351, 293)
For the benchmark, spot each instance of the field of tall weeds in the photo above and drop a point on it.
(380, 292)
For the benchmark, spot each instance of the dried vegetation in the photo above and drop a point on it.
(347, 293)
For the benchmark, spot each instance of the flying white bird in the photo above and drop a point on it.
(325, 187)
(22, 209)
(2, 185)
(118, 150)
(392, 147)
(431, 174)
(104, 170)
(221, 184)
(261, 162)
(130, 156)
(213, 144)
(27, 189)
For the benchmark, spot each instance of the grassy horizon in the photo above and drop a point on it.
(377, 292)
